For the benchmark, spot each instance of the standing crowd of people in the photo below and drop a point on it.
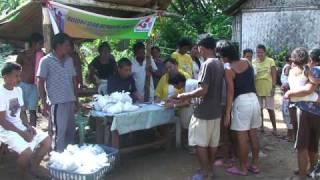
(218, 95)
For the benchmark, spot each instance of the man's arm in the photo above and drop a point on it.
(10, 127)
(75, 87)
(204, 82)
(24, 119)
(42, 91)
(138, 97)
(78, 66)
(76, 90)
(230, 95)
(135, 93)
(199, 92)
(184, 103)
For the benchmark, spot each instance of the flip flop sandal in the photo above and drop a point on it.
(199, 176)
(218, 163)
(296, 172)
(236, 171)
(254, 169)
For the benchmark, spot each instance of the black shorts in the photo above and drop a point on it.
(308, 134)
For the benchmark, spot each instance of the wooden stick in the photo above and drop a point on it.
(47, 29)
(148, 74)
(106, 5)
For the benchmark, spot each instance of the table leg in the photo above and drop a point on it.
(115, 139)
(106, 133)
(99, 131)
(178, 133)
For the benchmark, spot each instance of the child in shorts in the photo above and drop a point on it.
(285, 102)
(31, 144)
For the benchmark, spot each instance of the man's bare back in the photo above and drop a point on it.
(27, 60)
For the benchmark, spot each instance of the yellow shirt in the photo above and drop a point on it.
(163, 86)
(263, 77)
(184, 62)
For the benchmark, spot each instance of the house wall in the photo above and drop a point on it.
(254, 4)
(236, 28)
(279, 30)
(278, 24)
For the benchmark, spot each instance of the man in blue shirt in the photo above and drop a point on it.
(123, 80)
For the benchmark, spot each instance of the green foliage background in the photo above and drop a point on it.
(8, 5)
(197, 17)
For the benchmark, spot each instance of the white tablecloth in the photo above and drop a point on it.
(148, 116)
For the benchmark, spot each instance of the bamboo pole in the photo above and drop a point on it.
(46, 29)
(148, 74)
(106, 5)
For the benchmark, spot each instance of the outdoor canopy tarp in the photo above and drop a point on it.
(26, 20)
(87, 25)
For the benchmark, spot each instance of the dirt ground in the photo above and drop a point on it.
(178, 164)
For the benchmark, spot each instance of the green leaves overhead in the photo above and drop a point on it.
(198, 17)
(8, 5)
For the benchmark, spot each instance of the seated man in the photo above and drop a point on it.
(182, 84)
(164, 90)
(31, 144)
(123, 80)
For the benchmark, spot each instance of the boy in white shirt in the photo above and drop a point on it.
(31, 144)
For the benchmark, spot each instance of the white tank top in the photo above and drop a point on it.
(297, 81)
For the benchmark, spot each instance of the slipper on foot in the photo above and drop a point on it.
(199, 176)
(218, 163)
(236, 171)
(254, 169)
(296, 172)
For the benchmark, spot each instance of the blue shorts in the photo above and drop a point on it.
(30, 95)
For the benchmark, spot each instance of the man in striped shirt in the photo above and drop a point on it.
(58, 88)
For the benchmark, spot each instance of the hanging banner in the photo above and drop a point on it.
(78, 23)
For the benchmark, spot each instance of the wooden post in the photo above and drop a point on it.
(46, 29)
(148, 74)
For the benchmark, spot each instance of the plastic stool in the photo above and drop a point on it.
(81, 122)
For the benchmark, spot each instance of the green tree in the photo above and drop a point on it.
(197, 17)
(8, 5)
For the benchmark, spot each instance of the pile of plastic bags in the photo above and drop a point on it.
(86, 159)
(114, 103)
